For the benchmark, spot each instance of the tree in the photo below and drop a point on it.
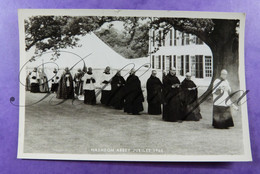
(219, 34)
(119, 41)
(54, 32)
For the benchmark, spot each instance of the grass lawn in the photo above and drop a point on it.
(79, 129)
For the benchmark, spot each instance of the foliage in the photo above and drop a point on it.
(122, 43)
(55, 32)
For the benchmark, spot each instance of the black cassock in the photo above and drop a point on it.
(133, 95)
(172, 110)
(154, 95)
(34, 82)
(106, 88)
(117, 93)
(191, 109)
(54, 85)
(65, 88)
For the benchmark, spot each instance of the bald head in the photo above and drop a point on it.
(188, 75)
(172, 72)
(223, 74)
(107, 70)
(90, 69)
(154, 72)
(67, 69)
(118, 73)
(132, 71)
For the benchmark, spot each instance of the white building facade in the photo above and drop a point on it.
(185, 52)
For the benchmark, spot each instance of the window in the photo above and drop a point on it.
(158, 62)
(193, 65)
(199, 66)
(170, 37)
(160, 39)
(198, 41)
(182, 38)
(187, 62)
(163, 62)
(174, 61)
(187, 38)
(153, 61)
(180, 66)
(175, 38)
(208, 66)
(163, 38)
(168, 62)
(153, 38)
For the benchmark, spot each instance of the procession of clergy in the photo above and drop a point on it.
(179, 99)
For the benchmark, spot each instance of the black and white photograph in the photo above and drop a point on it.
(132, 85)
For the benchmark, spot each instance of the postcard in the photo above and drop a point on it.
(132, 85)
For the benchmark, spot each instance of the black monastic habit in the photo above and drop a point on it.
(65, 88)
(55, 83)
(191, 109)
(117, 93)
(133, 95)
(154, 95)
(172, 99)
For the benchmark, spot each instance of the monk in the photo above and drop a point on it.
(43, 81)
(133, 95)
(154, 94)
(117, 92)
(55, 81)
(172, 101)
(191, 109)
(66, 88)
(89, 87)
(34, 81)
(106, 79)
(78, 82)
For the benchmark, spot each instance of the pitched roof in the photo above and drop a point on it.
(93, 50)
